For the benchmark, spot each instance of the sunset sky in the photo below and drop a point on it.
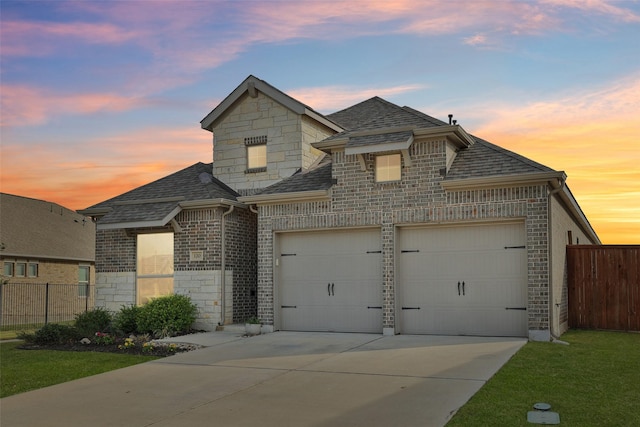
(99, 97)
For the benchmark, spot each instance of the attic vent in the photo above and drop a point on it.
(255, 140)
(205, 178)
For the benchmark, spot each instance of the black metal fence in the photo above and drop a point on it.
(26, 306)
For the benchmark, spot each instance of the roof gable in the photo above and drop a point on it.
(250, 86)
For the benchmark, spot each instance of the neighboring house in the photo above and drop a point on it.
(43, 242)
(376, 218)
(47, 254)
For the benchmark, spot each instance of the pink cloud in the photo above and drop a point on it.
(333, 98)
(27, 105)
(31, 38)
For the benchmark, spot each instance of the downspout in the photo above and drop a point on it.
(223, 266)
(550, 257)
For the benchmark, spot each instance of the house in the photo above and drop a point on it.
(43, 242)
(376, 218)
(47, 254)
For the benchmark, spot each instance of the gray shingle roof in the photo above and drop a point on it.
(31, 228)
(484, 159)
(381, 138)
(317, 178)
(149, 202)
(376, 113)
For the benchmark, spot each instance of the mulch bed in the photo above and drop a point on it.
(160, 349)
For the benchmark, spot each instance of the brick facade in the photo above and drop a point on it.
(357, 201)
(200, 278)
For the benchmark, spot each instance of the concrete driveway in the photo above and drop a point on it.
(279, 379)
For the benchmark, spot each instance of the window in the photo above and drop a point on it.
(32, 269)
(256, 157)
(388, 168)
(83, 280)
(8, 269)
(21, 269)
(155, 266)
(256, 153)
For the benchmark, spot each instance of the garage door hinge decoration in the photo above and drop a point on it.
(406, 251)
(515, 247)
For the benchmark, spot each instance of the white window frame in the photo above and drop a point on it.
(82, 282)
(387, 172)
(20, 265)
(36, 266)
(11, 266)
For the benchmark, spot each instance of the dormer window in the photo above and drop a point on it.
(256, 153)
(388, 168)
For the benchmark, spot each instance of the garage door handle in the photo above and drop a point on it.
(329, 288)
(458, 288)
(332, 291)
(462, 287)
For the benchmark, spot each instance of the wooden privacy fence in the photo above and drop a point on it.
(604, 287)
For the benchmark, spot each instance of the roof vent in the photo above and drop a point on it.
(205, 178)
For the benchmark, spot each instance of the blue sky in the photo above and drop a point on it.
(99, 97)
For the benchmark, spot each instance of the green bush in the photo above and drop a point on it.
(52, 333)
(167, 316)
(92, 321)
(125, 321)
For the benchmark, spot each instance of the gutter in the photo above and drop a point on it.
(561, 183)
(223, 265)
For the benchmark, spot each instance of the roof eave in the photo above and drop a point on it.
(278, 198)
(37, 256)
(455, 133)
(140, 224)
(211, 203)
(496, 180)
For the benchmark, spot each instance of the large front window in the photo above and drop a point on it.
(155, 266)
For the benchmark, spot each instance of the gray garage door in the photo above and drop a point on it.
(330, 281)
(463, 280)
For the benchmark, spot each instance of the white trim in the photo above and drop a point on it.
(294, 196)
(502, 180)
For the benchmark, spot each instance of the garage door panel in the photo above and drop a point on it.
(463, 279)
(331, 277)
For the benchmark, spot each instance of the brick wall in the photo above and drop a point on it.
(418, 199)
(197, 276)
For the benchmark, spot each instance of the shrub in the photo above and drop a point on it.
(52, 333)
(92, 321)
(167, 316)
(125, 321)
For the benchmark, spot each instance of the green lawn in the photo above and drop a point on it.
(24, 370)
(594, 381)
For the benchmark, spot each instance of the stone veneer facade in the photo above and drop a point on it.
(289, 137)
(200, 230)
(357, 201)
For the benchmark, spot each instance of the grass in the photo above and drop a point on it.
(25, 370)
(594, 381)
